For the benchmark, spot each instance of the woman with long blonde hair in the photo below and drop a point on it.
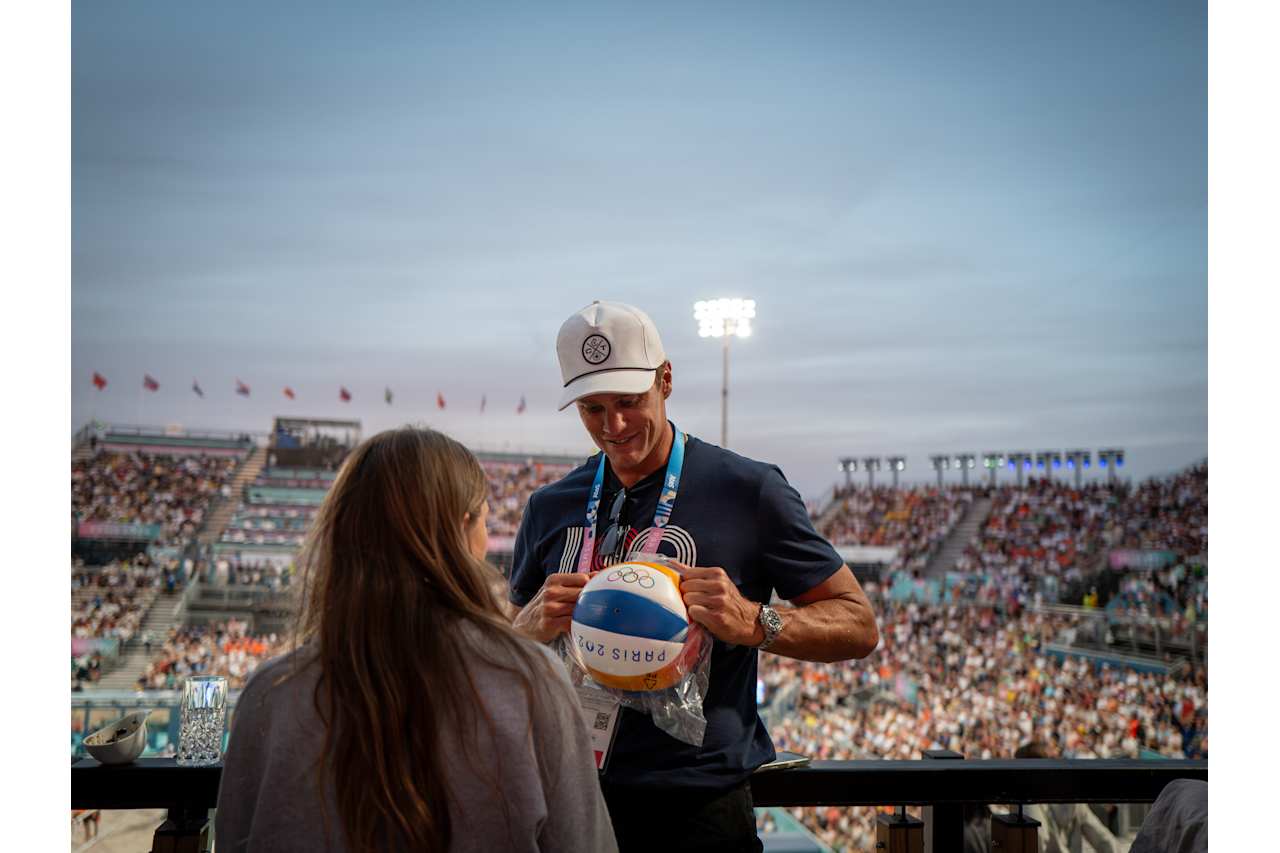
(410, 716)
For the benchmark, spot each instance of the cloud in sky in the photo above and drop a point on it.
(966, 228)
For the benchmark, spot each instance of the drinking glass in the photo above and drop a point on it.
(203, 717)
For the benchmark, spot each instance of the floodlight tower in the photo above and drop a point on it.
(724, 318)
(1078, 460)
(897, 464)
(848, 465)
(1111, 459)
(1020, 461)
(1042, 462)
(940, 462)
(871, 464)
(965, 462)
(992, 460)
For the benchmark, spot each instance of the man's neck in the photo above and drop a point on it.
(657, 459)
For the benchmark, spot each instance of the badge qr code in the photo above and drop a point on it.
(602, 721)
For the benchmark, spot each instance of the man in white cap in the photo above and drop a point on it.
(739, 532)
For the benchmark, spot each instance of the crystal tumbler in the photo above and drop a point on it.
(203, 717)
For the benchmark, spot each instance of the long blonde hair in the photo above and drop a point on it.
(388, 581)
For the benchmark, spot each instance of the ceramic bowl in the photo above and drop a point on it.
(121, 741)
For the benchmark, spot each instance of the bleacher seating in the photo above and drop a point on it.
(159, 497)
(913, 520)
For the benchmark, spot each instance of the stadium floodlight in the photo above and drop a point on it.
(1048, 460)
(1111, 459)
(993, 460)
(724, 319)
(1020, 461)
(965, 462)
(848, 465)
(940, 463)
(871, 464)
(1078, 460)
(896, 465)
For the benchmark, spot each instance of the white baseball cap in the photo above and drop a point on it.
(607, 348)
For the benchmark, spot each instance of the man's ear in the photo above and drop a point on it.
(666, 379)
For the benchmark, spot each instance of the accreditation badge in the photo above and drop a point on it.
(600, 712)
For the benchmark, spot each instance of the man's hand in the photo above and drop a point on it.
(715, 603)
(551, 610)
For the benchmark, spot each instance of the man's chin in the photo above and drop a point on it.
(624, 458)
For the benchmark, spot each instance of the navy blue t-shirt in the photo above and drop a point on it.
(731, 512)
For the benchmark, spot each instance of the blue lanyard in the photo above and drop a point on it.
(666, 501)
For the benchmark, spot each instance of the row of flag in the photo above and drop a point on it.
(149, 383)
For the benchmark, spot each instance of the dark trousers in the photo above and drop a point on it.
(682, 819)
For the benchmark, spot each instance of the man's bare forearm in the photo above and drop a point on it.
(825, 631)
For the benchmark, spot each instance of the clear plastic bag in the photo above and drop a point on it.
(676, 710)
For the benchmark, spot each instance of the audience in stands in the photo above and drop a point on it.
(1165, 514)
(224, 648)
(111, 601)
(510, 485)
(915, 521)
(972, 679)
(1043, 529)
(139, 488)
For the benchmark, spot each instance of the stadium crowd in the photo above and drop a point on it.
(913, 520)
(1167, 514)
(510, 485)
(978, 681)
(139, 488)
(223, 648)
(1044, 528)
(110, 601)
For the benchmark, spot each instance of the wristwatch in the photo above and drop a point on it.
(771, 622)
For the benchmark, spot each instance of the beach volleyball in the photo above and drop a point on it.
(631, 628)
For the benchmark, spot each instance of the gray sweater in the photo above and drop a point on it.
(269, 801)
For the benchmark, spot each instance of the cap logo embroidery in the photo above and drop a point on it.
(595, 349)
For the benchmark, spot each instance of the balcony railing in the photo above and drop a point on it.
(943, 781)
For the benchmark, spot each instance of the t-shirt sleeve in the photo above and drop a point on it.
(526, 575)
(794, 556)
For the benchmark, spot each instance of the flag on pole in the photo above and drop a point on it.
(439, 400)
(195, 386)
(288, 392)
(99, 381)
(242, 389)
(520, 408)
(149, 383)
(388, 396)
(344, 395)
(483, 400)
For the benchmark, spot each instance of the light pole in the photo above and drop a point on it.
(1020, 461)
(724, 318)
(940, 464)
(1078, 460)
(1111, 459)
(965, 462)
(992, 460)
(848, 465)
(1042, 462)
(871, 464)
(896, 464)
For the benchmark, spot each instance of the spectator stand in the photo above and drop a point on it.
(140, 488)
(513, 477)
(915, 522)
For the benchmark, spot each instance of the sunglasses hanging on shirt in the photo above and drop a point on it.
(615, 534)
